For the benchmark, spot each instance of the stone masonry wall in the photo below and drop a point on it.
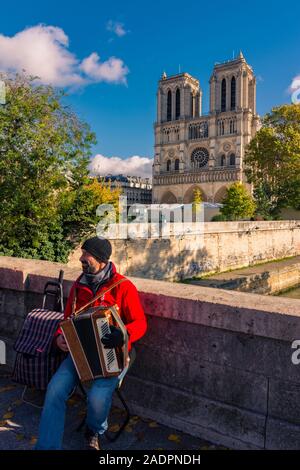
(226, 245)
(214, 363)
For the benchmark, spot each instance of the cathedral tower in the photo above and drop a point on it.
(193, 150)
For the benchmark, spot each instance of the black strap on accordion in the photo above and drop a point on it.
(75, 313)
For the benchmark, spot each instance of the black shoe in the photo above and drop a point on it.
(92, 440)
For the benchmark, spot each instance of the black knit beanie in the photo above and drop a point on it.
(98, 247)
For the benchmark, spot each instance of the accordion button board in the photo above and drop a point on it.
(83, 334)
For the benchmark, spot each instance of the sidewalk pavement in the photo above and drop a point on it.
(19, 426)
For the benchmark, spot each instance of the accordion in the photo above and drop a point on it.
(83, 335)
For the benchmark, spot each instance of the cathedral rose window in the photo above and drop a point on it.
(200, 157)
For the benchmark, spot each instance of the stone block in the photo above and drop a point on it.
(282, 435)
(252, 354)
(202, 415)
(191, 373)
(284, 400)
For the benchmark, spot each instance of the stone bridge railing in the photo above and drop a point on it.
(214, 363)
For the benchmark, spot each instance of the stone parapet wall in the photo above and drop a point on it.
(222, 246)
(214, 363)
(267, 278)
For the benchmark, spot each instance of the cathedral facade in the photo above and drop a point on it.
(203, 151)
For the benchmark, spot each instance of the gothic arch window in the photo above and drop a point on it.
(168, 165)
(221, 127)
(233, 93)
(223, 160)
(169, 106)
(177, 109)
(203, 128)
(177, 164)
(197, 110)
(199, 157)
(223, 95)
(234, 126)
(232, 159)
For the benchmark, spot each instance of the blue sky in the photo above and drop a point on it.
(153, 37)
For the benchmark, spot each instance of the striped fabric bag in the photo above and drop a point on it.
(36, 361)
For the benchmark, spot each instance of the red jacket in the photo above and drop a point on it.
(125, 295)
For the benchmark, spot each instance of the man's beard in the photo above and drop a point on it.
(87, 268)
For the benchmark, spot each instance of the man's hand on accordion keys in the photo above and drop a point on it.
(114, 339)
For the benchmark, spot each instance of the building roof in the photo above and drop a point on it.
(121, 178)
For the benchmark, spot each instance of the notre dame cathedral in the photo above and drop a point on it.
(203, 151)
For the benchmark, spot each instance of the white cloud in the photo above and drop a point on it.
(294, 90)
(295, 83)
(113, 70)
(116, 27)
(132, 166)
(43, 51)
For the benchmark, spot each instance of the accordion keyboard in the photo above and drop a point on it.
(110, 357)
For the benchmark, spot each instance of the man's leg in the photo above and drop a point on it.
(52, 422)
(99, 398)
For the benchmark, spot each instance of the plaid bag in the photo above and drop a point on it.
(35, 361)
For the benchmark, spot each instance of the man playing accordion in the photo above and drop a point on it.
(98, 275)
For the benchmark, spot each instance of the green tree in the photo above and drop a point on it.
(79, 207)
(218, 218)
(266, 205)
(45, 187)
(273, 161)
(238, 203)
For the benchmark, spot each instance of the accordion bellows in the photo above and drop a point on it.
(83, 335)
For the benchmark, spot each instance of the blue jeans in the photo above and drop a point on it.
(99, 398)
